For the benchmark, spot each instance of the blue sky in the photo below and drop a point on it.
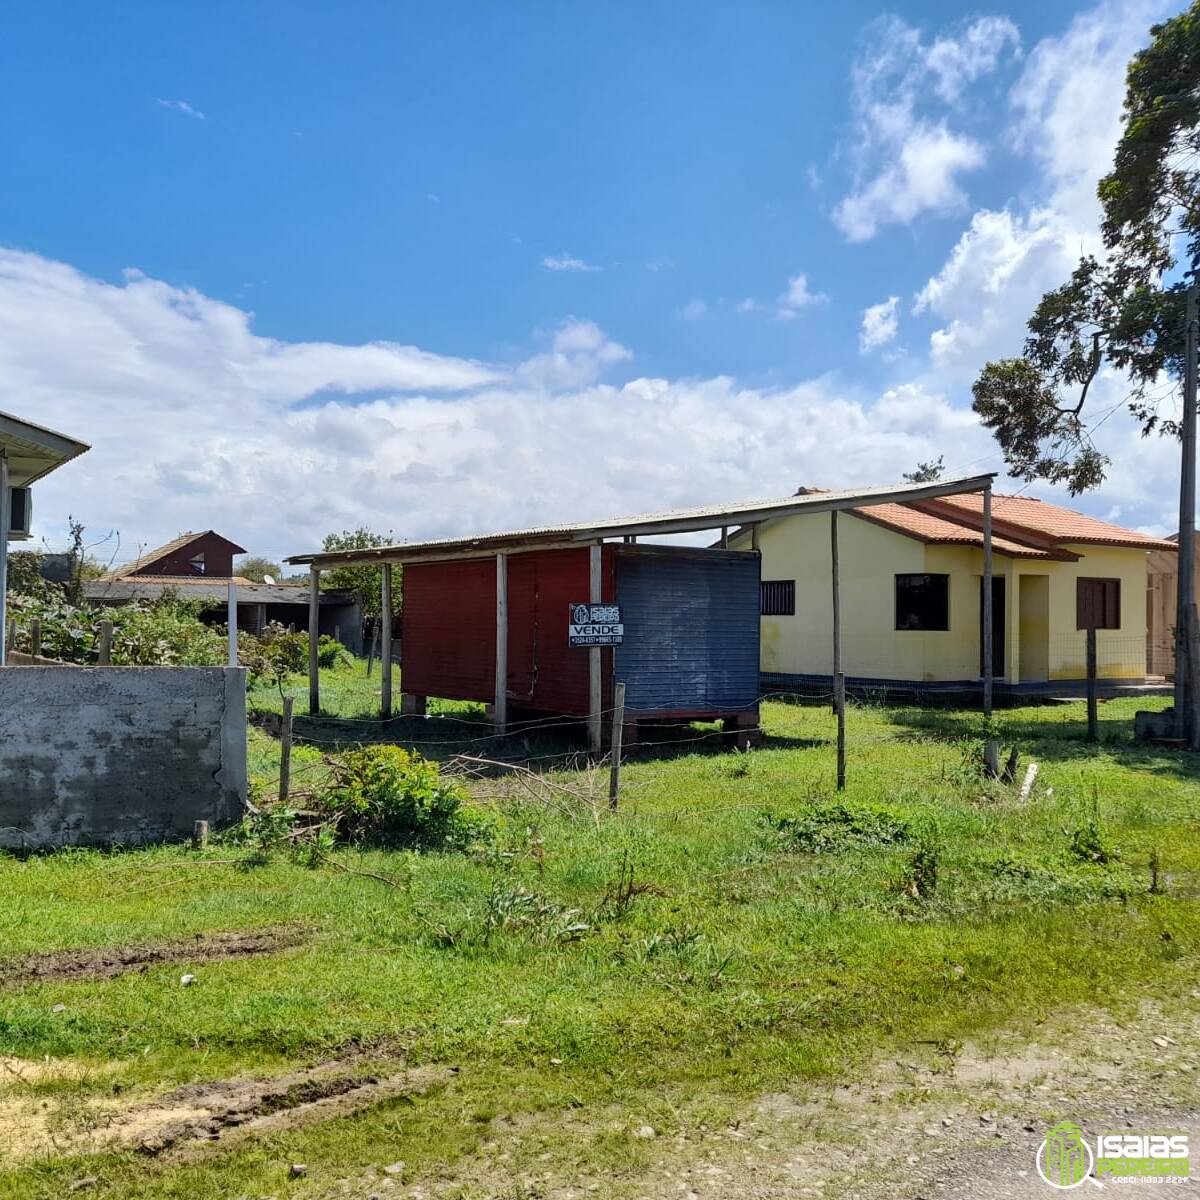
(591, 227)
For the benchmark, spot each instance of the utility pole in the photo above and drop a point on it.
(1185, 640)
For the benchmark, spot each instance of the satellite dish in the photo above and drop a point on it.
(269, 579)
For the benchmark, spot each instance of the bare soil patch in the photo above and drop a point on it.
(190, 1121)
(104, 962)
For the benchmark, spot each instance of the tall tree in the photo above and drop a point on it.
(258, 568)
(364, 583)
(1126, 309)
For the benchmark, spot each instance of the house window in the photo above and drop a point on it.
(922, 602)
(197, 564)
(778, 597)
(1097, 604)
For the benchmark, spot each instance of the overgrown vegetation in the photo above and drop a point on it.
(572, 962)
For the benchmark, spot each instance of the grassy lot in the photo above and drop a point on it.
(690, 949)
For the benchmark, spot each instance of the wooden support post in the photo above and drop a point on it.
(991, 757)
(500, 700)
(1092, 718)
(1186, 665)
(5, 522)
(1194, 694)
(839, 679)
(374, 646)
(314, 621)
(385, 646)
(618, 731)
(724, 537)
(231, 618)
(10, 635)
(35, 636)
(754, 536)
(285, 749)
(412, 706)
(987, 601)
(595, 661)
(199, 835)
(104, 644)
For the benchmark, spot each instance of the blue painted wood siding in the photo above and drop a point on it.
(691, 631)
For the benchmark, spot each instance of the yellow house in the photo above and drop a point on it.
(911, 589)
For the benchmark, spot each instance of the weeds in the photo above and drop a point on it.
(829, 827)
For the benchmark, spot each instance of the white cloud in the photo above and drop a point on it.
(194, 422)
(1067, 103)
(880, 323)
(907, 158)
(694, 310)
(182, 106)
(748, 305)
(580, 353)
(797, 296)
(567, 262)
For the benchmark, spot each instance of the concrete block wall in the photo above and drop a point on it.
(119, 755)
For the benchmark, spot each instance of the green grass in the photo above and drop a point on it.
(745, 963)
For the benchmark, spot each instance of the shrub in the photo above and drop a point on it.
(274, 654)
(824, 827)
(330, 652)
(167, 632)
(392, 797)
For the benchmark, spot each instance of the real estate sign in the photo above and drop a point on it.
(595, 625)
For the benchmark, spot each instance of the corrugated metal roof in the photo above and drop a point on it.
(153, 587)
(33, 450)
(683, 520)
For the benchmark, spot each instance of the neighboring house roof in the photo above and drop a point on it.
(1024, 514)
(937, 530)
(168, 548)
(154, 587)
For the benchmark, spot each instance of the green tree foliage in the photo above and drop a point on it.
(927, 472)
(1127, 309)
(365, 584)
(257, 568)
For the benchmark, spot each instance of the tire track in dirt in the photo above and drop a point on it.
(105, 962)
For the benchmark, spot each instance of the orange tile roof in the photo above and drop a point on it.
(1041, 519)
(938, 530)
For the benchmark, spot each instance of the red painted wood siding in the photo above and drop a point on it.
(544, 672)
(449, 629)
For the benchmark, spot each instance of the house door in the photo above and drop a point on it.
(1033, 595)
(997, 627)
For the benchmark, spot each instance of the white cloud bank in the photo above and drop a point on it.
(197, 422)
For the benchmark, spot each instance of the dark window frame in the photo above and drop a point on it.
(896, 609)
(1108, 603)
(777, 598)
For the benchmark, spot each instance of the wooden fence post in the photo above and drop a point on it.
(314, 625)
(839, 678)
(385, 645)
(199, 835)
(104, 644)
(285, 750)
(231, 618)
(618, 729)
(1093, 722)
